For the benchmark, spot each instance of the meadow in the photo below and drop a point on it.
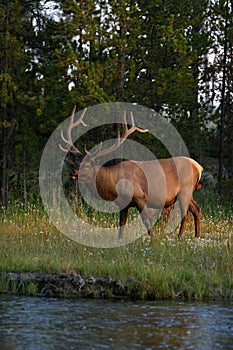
(163, 268)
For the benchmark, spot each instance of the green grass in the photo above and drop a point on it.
(166, 267)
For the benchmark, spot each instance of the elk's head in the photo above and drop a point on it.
(84, 169)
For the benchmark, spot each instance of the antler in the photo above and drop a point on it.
(68, 141)
(120, 139)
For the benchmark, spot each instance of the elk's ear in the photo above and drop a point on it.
(77, 161)
(69, 162)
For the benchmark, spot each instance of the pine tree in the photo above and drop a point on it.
(14, 61)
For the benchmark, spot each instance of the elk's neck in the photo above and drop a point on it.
(103, 182)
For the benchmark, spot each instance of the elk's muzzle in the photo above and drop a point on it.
(74, 174)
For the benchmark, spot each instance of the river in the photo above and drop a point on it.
(31, 323)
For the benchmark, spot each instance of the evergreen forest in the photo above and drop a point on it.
(175, 57)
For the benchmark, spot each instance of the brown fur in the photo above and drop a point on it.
(154, 184)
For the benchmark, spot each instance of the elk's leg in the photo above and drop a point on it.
(183, 224)
(184, 200)
(196, 211)
(167, 214)
(123, 220)
(145, 215)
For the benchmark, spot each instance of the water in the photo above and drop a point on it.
(41, 324)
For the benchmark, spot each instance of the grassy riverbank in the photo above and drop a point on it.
(167, 267)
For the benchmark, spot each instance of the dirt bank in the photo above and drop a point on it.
(68, 285)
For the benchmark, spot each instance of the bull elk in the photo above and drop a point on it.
(155, 184)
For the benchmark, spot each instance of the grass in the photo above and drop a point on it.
(166, 267)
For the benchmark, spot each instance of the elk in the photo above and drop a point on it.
(155, 183)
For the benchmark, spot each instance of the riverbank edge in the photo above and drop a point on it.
(64, 285)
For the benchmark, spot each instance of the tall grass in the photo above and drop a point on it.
(166, 267)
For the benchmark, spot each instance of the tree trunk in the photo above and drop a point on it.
(4, 189)
(222, 120)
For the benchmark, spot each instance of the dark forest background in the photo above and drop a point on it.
(173, 56)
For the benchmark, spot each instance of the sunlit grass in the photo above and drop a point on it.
(166, 267)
